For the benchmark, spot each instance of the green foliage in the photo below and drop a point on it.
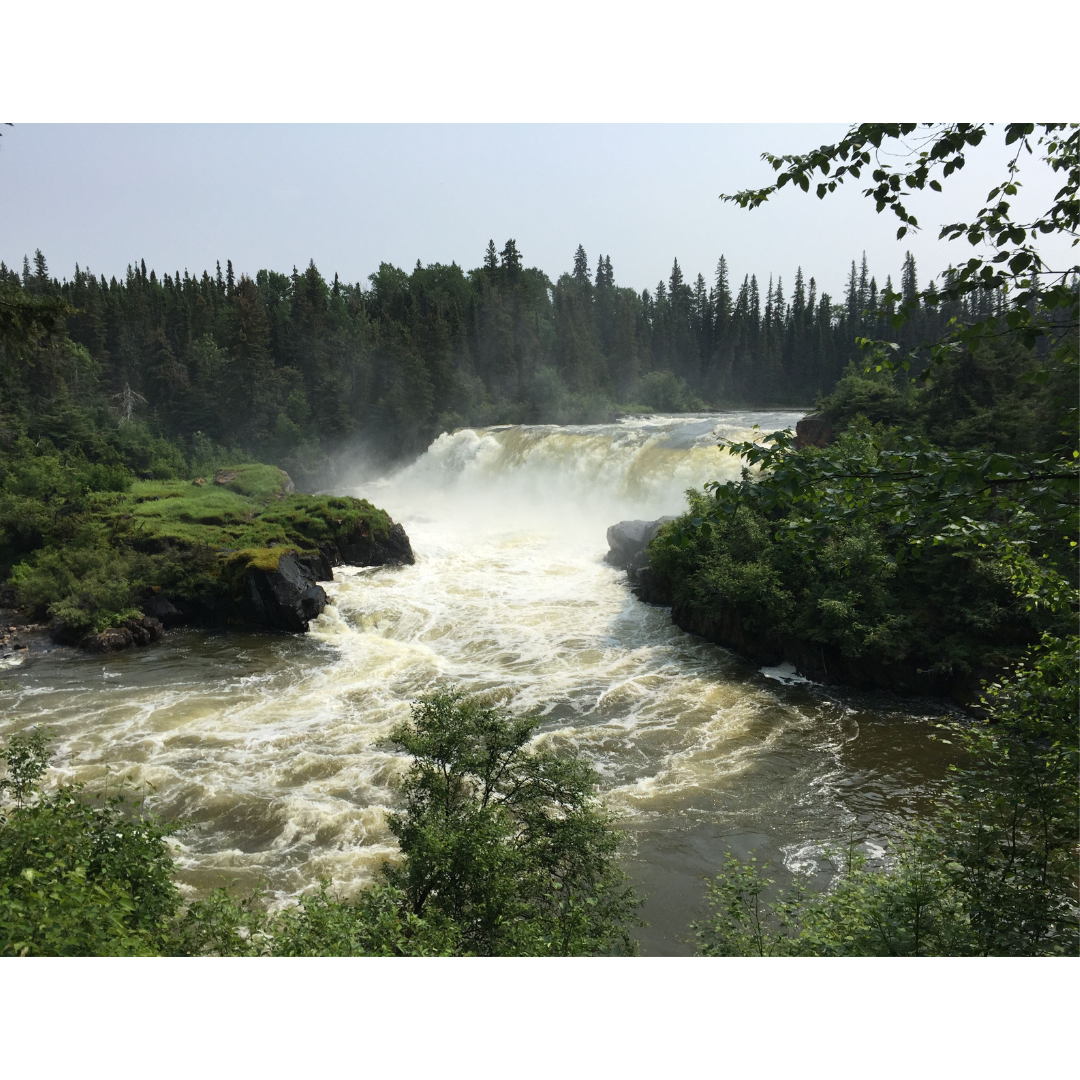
(505, 842)
(104, 541)
(78, 879)
(992, 872)
(87, 588)
(666, 392)
(855, 581)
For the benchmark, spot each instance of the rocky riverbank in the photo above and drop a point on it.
(242, 548)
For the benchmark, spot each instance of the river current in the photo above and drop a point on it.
(275, 748)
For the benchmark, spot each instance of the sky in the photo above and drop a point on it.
(352, 196)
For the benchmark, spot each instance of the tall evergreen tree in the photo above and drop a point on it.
(909, 282)
(581, 265)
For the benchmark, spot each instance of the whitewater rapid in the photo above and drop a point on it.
(276, 748)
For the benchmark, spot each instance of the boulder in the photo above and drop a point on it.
(134, 632)
(812, 431)
(112, 640)
(362, 548)
(628, 542)
(286, 598)
(319, 565)
(162, 610)
(143, 631)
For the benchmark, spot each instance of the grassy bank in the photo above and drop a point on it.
(104, 553)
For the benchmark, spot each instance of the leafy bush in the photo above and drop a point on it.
(87, 588)
(666, 392)
(78, 879)
(505, 842)
(856, 585)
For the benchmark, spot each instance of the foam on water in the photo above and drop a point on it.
(276, 748)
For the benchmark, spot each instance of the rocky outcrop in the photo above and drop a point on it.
(286, 598)
(362, 547)
(164, 610)
(288, 595)
(628, 542)
(142, 631)
(813, 431)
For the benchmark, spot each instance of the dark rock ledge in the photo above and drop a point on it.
(278, 592)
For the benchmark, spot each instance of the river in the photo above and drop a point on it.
(274, 747)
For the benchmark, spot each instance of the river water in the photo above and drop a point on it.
(274, 747)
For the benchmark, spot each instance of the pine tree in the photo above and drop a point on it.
(676, 285)
(909, 282)
(722, 296)
(581, 265)
(491, 259)
(230, 281)
(798, 297)
(851, 298)
(864, 286)
(511, 260)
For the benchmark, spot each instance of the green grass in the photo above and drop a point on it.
(253, 510)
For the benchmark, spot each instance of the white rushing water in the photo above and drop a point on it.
(276, 747)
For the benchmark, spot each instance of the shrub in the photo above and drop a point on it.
(78, 879)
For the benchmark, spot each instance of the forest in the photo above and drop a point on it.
(293, 368)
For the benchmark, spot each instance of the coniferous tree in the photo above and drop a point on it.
(581, 265)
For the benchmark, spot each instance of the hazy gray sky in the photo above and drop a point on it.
(349, 197)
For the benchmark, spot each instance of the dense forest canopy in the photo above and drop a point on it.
(291, 367)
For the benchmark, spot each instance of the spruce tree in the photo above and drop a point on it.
(581, 265)
(798, 297)
(722, 296)
(864, 286)
(909, 282)
(511, 260)
(851, 297)
(491, 259)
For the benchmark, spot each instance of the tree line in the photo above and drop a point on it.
(290, 367)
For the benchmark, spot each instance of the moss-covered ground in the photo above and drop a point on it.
(188, 538)
(249, 506)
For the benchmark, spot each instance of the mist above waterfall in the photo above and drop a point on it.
(570, 479)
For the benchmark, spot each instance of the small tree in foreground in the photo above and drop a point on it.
(506, 842)
(506, 853)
